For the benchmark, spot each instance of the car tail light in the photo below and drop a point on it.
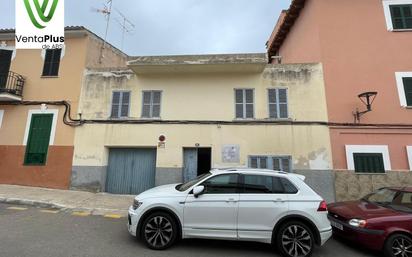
(323, 206)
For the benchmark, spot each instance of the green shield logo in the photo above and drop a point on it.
(40, 10)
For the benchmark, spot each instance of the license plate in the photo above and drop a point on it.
(336, 225)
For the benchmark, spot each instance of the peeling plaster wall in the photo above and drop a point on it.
(208, 96)
(204, 96)
(92, 141)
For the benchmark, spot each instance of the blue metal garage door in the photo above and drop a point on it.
(131, 171)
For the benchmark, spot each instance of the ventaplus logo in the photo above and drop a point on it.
(41, 12)
(39, 24)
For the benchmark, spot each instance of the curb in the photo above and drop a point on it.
(48, 205)
(41, 204)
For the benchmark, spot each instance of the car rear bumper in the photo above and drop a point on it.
(370, 238)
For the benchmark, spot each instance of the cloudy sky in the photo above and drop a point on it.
(165, 27)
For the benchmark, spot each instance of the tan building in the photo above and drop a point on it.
(38, 89)
(169, 119)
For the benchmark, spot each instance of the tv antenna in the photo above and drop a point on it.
(106, 11)
(126, 25)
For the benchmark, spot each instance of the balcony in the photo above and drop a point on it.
(11, 87)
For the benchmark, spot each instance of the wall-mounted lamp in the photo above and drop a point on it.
(278, 58)
(367, 98)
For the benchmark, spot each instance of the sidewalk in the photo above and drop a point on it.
(95, 204)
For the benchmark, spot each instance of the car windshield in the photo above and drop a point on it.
(394, 199)
(189, 184)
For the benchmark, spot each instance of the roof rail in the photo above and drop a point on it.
(249, 169)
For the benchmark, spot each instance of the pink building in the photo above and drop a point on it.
(364, 46)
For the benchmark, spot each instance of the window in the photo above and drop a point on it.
(406, 198)
(255, 184)
(38, 139)
(368, 158)
(185, 186)
(151, 104)
(222, 184)
(369, 162)
(244, 101)
(404, 84)
(120, 104)
(278, 163)
(288, 186)
(281, 163)
(52, 62)
(391, 198)
(407, 86)
(258, 162)
(409, 152)
(278, 103)
(401, 16)
(1, 117)
(5, 62)
(258, 184)
(398, 14)
(382, 196)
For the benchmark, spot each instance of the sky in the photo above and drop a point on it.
(171, 27)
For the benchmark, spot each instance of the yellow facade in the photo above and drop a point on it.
(309, 145)
(208, 96)
(197, 111)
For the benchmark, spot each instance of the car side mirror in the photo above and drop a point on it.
(198, 190)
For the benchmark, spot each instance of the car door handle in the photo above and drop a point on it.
(231, 200)
(279, 200)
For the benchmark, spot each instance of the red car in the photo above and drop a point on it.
(380, 221)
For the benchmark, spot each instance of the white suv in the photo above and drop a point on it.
(236, 204)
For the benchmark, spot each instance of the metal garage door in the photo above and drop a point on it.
(131, 171)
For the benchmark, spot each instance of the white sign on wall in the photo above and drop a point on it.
(230, 154)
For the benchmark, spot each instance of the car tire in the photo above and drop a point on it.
(398, 243)
(295, 239)
(159, 231)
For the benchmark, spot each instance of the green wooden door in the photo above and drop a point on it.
(39, 138)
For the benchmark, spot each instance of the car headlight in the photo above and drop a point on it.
(358, 223)
(136, 204)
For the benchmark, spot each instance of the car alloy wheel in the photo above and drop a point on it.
(159, 232)
(402, 247)
(296, 240)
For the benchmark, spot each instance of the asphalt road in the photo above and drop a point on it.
(32, 232)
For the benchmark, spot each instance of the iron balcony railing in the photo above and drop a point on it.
(12, 83)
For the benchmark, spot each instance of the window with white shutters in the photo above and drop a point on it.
(278, 103)
(151, 104)
(277, 163)
(244, 102)
(120, 104)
